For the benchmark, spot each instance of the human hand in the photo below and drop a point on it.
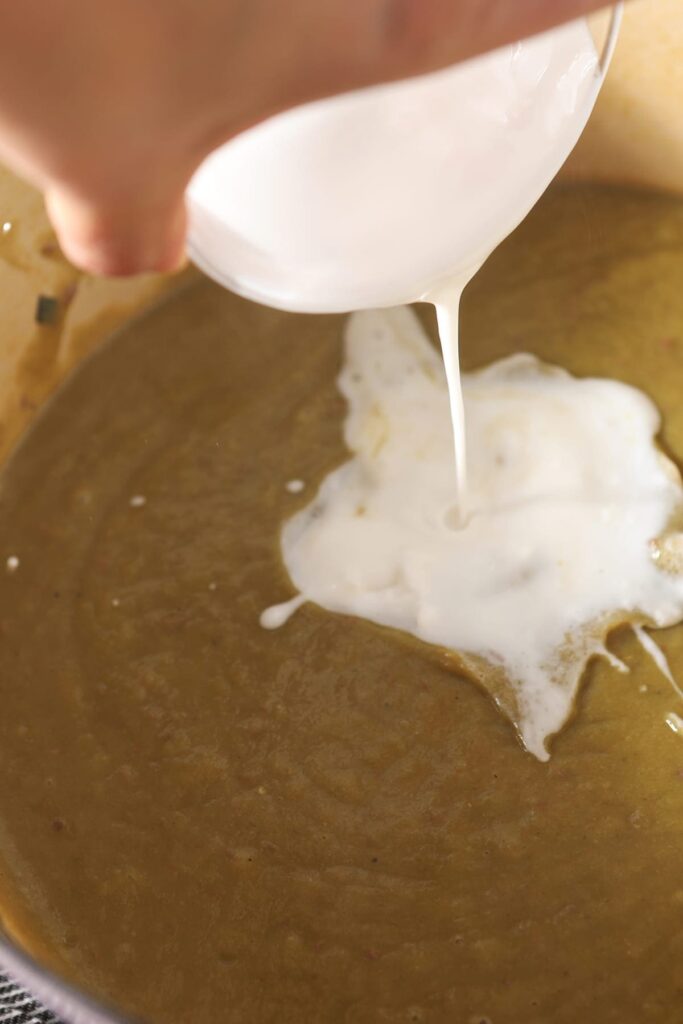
(109, 107)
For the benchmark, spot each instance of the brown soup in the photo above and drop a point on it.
(201, 821)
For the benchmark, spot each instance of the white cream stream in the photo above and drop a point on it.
(447, 305)
(566, 491)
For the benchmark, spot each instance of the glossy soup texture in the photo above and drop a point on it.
(203, 821)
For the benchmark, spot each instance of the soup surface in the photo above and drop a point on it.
(203, 821)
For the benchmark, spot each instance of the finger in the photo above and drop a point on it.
(481, 25)
(119, 238)
(386, 40)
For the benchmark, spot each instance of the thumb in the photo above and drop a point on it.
(119, 235)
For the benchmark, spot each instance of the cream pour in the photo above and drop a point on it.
(447, 305)
(567, 491)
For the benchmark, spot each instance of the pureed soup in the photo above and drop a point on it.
(572, 517)
(202, 821)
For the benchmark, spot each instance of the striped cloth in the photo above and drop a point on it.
(18, 1007)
